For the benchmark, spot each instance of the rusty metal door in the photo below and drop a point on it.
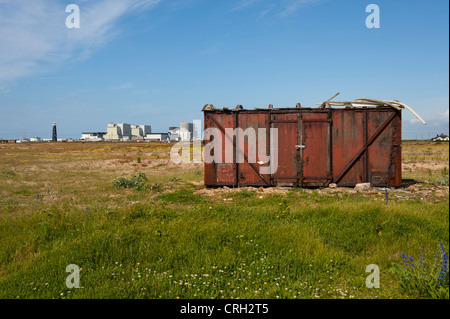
(366, 147)
(315, 149)
(288, 170)
(304, 148)
(235, 174)
(220, 173)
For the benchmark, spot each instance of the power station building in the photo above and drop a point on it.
(127, 132)
(139, 132)
(117, 132)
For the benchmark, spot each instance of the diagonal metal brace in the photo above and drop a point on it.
(365, 147)
(220, 127)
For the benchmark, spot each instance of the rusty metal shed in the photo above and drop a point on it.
(316, 146)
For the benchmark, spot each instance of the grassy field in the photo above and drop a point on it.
(169, 237)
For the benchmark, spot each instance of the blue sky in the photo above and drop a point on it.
(158, 62)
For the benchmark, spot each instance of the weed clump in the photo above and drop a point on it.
(9, 173)
(445, 177)
(136, 182)
(245, 193)
(425, 278)
(139, 183)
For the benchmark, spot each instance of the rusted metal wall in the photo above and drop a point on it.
(316, 147)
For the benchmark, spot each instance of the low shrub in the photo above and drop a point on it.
(136, 182)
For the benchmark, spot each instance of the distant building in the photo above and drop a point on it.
(127, 132)
(157, 137)
(113, 132)
(186, 132)
(139, 132)
(35, 139)
(174, 134)
(93, 137)
(118, 132)
(440, 137)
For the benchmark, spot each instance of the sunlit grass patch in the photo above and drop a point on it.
(185, 241)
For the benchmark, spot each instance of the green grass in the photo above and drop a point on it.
(424, 277)
(169, 240)
(215, 250)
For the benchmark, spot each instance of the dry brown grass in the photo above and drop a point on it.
(85, 171)
(82, 172)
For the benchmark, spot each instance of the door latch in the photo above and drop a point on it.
(300, 147)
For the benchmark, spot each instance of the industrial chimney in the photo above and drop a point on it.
(55, 136)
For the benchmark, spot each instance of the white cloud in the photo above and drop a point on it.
(34, 37)
(266, 11)
(124, 86)
(446, 116)
(435, 111)
(439, 117)
(414, 121)
(243, 4)
(211, 50)
(280, 8)
(293, 6)
(4, 89)
(432, 110)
